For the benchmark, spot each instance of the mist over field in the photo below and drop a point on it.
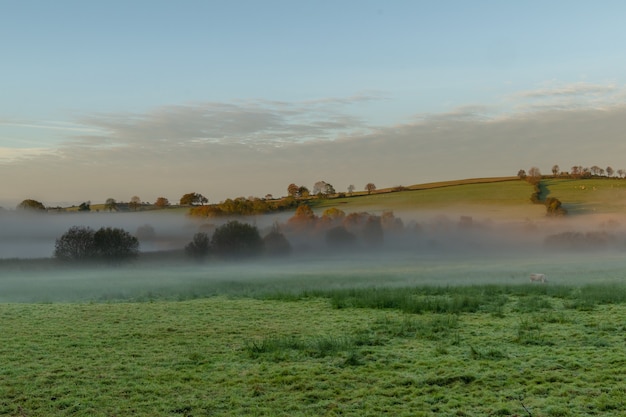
(431, 247)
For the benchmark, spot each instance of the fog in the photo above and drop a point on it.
(455, 247)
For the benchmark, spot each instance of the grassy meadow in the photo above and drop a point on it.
(442, 322)
(490, 350)
(496, 194)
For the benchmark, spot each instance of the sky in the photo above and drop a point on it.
(115, 99)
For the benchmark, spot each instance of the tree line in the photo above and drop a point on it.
(235, 239)
(198, 203)
(576, 171)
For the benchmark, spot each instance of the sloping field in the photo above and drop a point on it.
(497, 197)
(591, 196)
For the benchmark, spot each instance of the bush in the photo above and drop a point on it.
(554, 208)
(235, 239)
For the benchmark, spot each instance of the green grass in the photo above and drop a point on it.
(498, 192)
(596, 195)
(305, 356)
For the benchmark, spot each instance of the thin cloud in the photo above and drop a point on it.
(573, 89)
(18, 154)
(251, 123)
(48, 125)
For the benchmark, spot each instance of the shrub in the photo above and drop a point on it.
(554, 208)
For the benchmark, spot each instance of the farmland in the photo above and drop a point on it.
(441, 320)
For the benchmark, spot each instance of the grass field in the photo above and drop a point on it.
(581, 196)
(469, 351)
(442, 323)
(498, 192)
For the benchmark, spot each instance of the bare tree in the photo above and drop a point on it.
(595, 170)
(323, 188)
(609, 171)
(555, 170)
(369, 187)
(534, 172)
(350, 189)
(135, 203)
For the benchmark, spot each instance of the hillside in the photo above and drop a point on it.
(498, 196)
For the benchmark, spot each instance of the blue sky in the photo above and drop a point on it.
(239, 98)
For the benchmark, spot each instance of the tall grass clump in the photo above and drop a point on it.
(318, 346)
(406, 300)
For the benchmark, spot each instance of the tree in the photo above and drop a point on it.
(145, 232)
(318, 187)
(31, 205)
(86, 206)
(162, 202)
(81, 243)
(369, 187)
(135, 203)
(534, 173)
(110, 204)
(115, 245)
(77, 244)
(350, 189)
(199, 247)
(621, 173)
(236, 239)
(554, 208)
(595, 170)
(292, 190)
(303, 218)
(275, 243)
(555, 170)
(373, 231)
(303, 192)
(339, 236)
(521, 174)
(609, 171)
(329, 189)
(190, 199)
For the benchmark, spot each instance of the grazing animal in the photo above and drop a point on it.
(538, 277)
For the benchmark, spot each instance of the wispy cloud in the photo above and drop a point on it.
(17, 154)
(252, 123)
(48, 125)
(573, 89)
